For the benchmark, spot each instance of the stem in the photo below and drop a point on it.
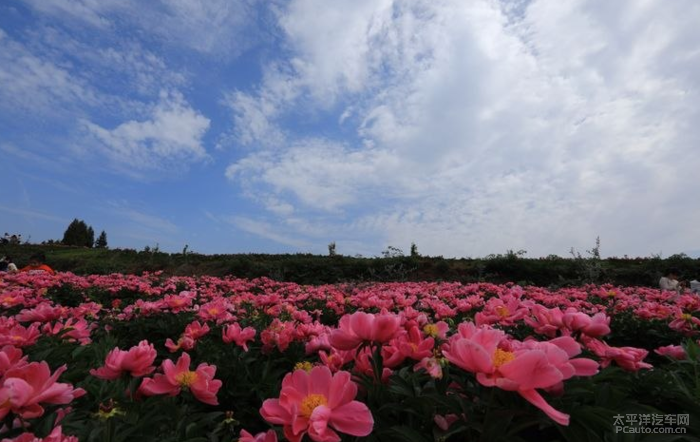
(487, 419)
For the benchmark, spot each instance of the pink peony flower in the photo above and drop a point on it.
(431, 365)
(11, 357)
(138, 361)
(56, 435)
(25, 388)
(269, 436)
(318, 403)
(545, 321)
(234, 333)
(412, 345)
(629, 358)
(672, 351)
(20, 336)
(361, 327)
(177, 376)
(519, 366)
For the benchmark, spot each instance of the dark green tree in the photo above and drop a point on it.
(79, 234)
(101, 242)
(90, 237)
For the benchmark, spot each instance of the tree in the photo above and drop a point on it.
(101, 242)
(331, 249)
(79, 234)
(414, 250)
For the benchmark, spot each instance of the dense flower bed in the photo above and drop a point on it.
(124, 357)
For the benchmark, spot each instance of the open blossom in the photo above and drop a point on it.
(629, 358)
(177, 376)
(138, 361)
(320, 404)
(431, 365)
(269, 436)
(56, 435)
(43, 312)
(20, 336)
(413, 345)
(545, 321)
(73, 330)
(518, 366)
(360, 327)
(25, 388)
(596, 326)
(11, 357)
(234, 333)
(672, 351)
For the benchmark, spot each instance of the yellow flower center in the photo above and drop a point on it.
(501, 357)
(310, 402)
(186, 378)
(17, 338)
(304, 365)
(214, 311)
(686, 316)
(431, 330)
(611, 293)
(502, 311)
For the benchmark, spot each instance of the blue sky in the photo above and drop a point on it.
(468, 128)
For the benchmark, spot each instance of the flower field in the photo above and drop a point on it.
(124, 357)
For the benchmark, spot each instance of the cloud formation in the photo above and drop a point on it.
(172, 137)
(477, 127)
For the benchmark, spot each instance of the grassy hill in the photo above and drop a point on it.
(316, 269)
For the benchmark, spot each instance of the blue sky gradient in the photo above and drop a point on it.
(468, 128)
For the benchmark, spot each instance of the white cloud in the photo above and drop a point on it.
(482, 127)
(219, 27)
(92, 12)
(31, 83)
(30, 214)
(171, 138)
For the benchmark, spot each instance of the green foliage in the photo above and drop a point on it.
(553, 271)
(79, 234)
(101, 242)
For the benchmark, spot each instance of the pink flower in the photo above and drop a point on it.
(234, 333)
(269, 436)
(25, 388)
(20, 336)
(195, 330)
(596, 326)
(444, 422)
(545, 321)
(177, 376)
(185, 342)
(72, 330)
(431, 365)
(56, 435)
(11, 357)
(629, 358)
(318, 403)
(361, 327)
(413, 346)
(336, 359)
(138, 360)
(672, 351)
(519, 366)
